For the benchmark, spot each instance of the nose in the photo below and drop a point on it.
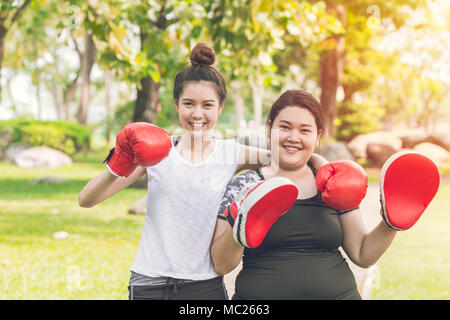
(294, 136)
(197, 113)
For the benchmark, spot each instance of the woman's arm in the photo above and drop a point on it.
(225, 252)
(365, 248)
(317, 161)
(105, 185)
(252, 158)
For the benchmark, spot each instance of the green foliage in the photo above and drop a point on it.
(357, 118)
(123, 115)
(62, 135)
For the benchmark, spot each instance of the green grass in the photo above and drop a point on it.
(94, 262)
(417, 265)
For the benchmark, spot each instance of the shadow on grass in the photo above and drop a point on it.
(21, 228)
(24, 189)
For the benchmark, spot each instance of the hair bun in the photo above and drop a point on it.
(202, 53)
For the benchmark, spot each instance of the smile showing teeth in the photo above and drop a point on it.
(291, 148)
(197, 124)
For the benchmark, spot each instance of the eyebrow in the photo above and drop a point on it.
(189, 99)
(301, 124)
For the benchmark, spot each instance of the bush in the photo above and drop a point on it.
(357, 118)
(62, 135)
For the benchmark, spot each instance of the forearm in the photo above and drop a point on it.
(375, 244)
(96, 189)
(252, 158)
(225, 252)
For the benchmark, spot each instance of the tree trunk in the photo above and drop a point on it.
(11, 96)
(3, 32)
(331, 69)
(69, 92)
(238, 100)
(87, 60)
(57, 93)
(108, 82)
(147, 100)
(257, 94)
(39, 100)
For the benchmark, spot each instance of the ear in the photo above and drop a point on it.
(319, 134)
(221, 108)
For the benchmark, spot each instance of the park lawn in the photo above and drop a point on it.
(94, 261)
(417, 265)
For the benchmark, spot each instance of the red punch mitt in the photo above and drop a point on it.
(256, 208)
(343, 184)
(408, 183)
(139, 143)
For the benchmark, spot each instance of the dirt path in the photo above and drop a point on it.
(370, 208)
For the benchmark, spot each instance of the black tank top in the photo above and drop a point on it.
(299, 257)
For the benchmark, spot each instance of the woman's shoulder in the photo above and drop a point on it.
(248, 176)
(241, 180)
(236, 185)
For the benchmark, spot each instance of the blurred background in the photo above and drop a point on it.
(73, 73)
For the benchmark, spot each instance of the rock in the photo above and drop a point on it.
(411, 140)
(378, 153)
(444, 138)
(60, 235)
(358, 146)
(42, 157)
(334, 151)
(438, 154)
(14, 149)
(49, 180)
(139, 207)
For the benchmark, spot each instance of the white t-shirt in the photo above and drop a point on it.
(182, 203)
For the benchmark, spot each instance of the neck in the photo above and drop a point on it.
(196, 144)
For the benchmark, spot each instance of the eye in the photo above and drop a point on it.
(284, 127)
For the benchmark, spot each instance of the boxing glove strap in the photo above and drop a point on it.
(118, 164)
(111, 152)
(229, 217)
(346, 211)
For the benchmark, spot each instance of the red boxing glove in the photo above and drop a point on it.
(256, 208)
(139, 143)
(343, 184)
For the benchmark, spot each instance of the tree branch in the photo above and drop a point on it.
(77, 48)
(18, 12)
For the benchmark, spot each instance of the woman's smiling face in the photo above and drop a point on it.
(198, 107)
(293, 136)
